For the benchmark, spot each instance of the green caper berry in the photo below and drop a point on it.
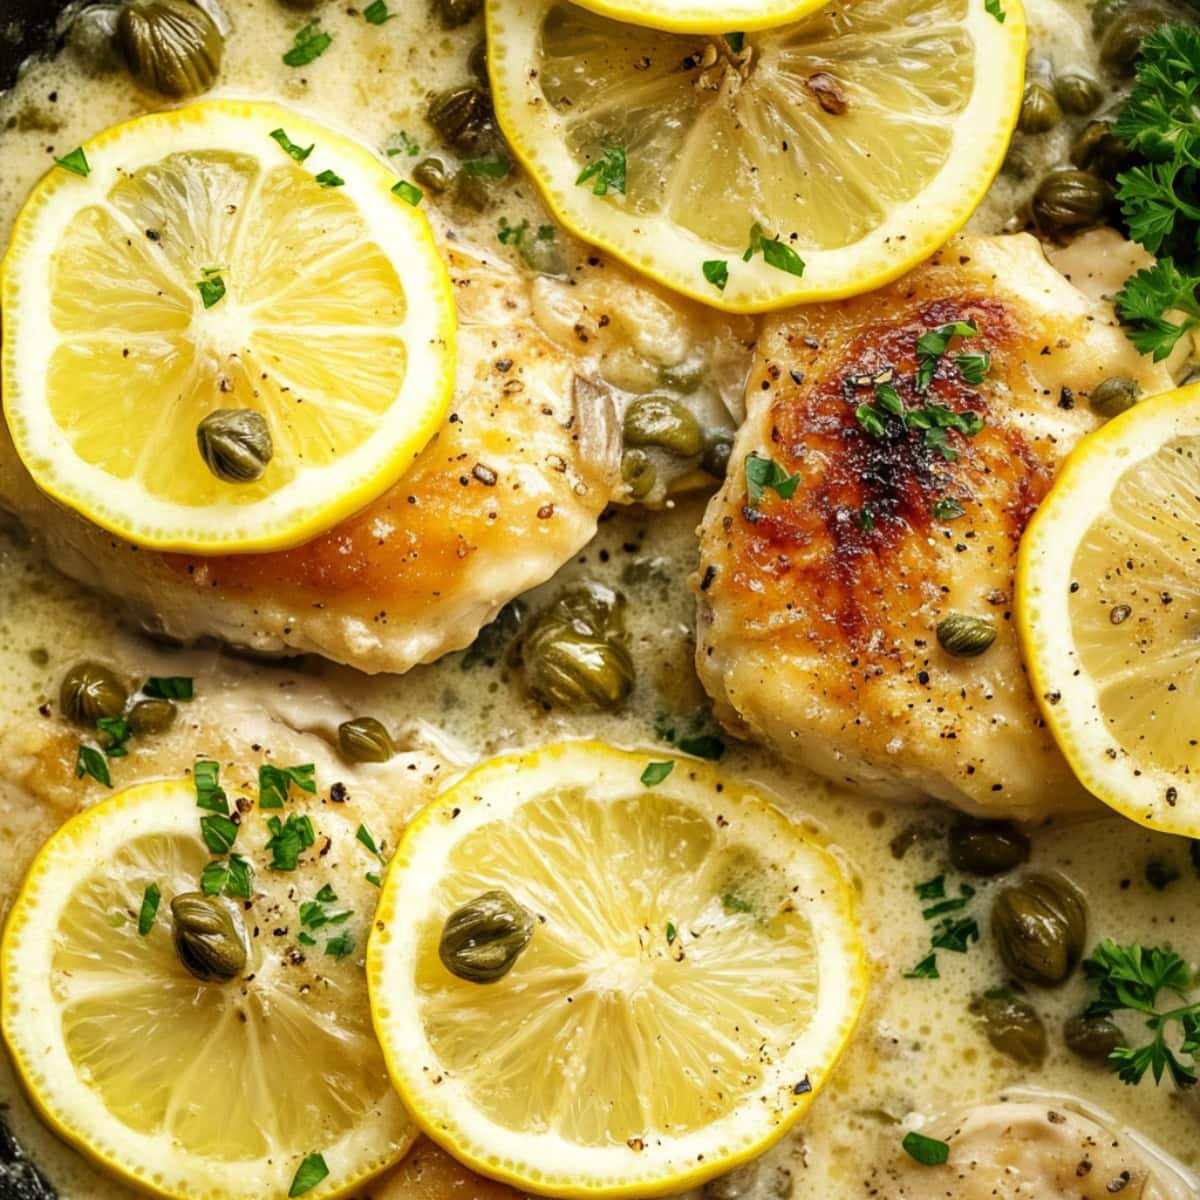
(590, 607)
(89, 691)
(432, 174)
(717, 449)
(473, 191)
(987, 847)
(1123, 41)
(1092, 1037)
(1012, 1025)
(1078, 94)
(638, 473)
(1115, 395)
(235, 444)
(152, 716)
(1067, 200)
(682, 378)
(365, 740)
(206, 937)
(1039, 110)
(1099, 150)
(664, 423)
(454, 13)
(170, 46)
(462, 117)
(482, 940)
(1039, 927)
(965, 636)
(574, 670)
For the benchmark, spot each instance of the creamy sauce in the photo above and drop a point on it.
(919, 1053)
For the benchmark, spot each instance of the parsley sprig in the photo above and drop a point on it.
(1135, 979)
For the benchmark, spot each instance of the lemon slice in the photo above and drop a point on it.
(838, 151)
(1108, 605)
(693, 973)
(190, 1089)
(202, 263)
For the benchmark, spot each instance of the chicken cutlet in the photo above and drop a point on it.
(896, 477)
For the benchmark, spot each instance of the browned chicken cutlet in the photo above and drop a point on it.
(819, 608)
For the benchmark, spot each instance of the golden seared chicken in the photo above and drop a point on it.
(855, 610)
(1037, 1151)
(507, 491)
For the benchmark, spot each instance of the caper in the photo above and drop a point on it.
(1039, 110)
(717, 449)
(454, 13)
(1123, 41)
(1012, 1025)
(462, 118)
(965, 636)
(1078, 94)
(431, 174)
(1067, 200)
(1099, 150)
(170, 46)
(365, 740)
(987, 847)
(473, 191)
(1093, 1037)
(1039, 926)
(482, 940)
(206, 937)
(89, 691)
(638, 473)
(236, 444)
(152, 716)
(575, 656)
(685, 377)
(477, 63)
(663, 422)
(1114, 395)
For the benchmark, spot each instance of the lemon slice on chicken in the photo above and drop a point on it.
(201, 1090)
(1108, 609)
(679, 968)
(224, 256)
(753, 170)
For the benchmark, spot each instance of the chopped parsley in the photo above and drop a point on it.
(735, 41)
(533, 245)
(950, 933)
(289, 840)
(866, 517)
(211, 286)
(273, 783)
(117, 732)
(1133, 978)
(340, 946)
(929, 1152)
(89, 761)
(732, 903)
(209, 793)
(310, 1172)
(315, 914)
(606, 173)
(927, 968)
(329, 179)
(933, 344)
(704, 745)
(948, 906)
(168, 687)
(149, 910)
(656, 772)
(948, 509)
(764, 473)
(672, 933)
(373, 878)
(931, 889)
(228, 877)
(76, 162)
(489, 168)
(996, 9)
(716, 271)
(974, 367)
(408, 192)
(219, 833)
(933, 421)
(364, 835)
(407, 146)
(376, 13)
(776, 253)
(955, 935)
(299, 153)
(307, 46)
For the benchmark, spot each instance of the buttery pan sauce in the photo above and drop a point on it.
(920, 1055)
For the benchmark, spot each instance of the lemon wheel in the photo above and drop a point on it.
(201, 1090)
(228, 256)
(683, 969)
(755, 170)
(1108, 599)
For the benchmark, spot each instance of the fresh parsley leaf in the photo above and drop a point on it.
(931, 889)
(327, 895)
(974, 367)
(672, 934)
(376, 13)
(76, 162)
(949, 906)
(149, 910)
(373, 878)
(307, 46)
(408, 192)
(1145, 299)
(873, 422)
(776, 253)
(955, 935)
(340, 946)
(735, 41)
(929, 1152)
(209, 793)
(764, 473)
(219, 833)
(948, 509)
(89, 761)
(310, 1172)
(211, 287)
(866, 518)
(330, 179)
(273, 783)
(168, 687)
(306, 939)
(364, 835)
(606, 173)
(1161, 118)
(933, 344)
(656, 772)
(231, 877)
(299, 153)
(926, 969)
(289, 840)
(490, 168)
(407, 146)
(117, 731)
(716, 271)
(996, 9)
(704, 745)
(315, 914)
(735, 904)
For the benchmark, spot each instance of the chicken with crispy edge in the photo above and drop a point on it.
(819, 608)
